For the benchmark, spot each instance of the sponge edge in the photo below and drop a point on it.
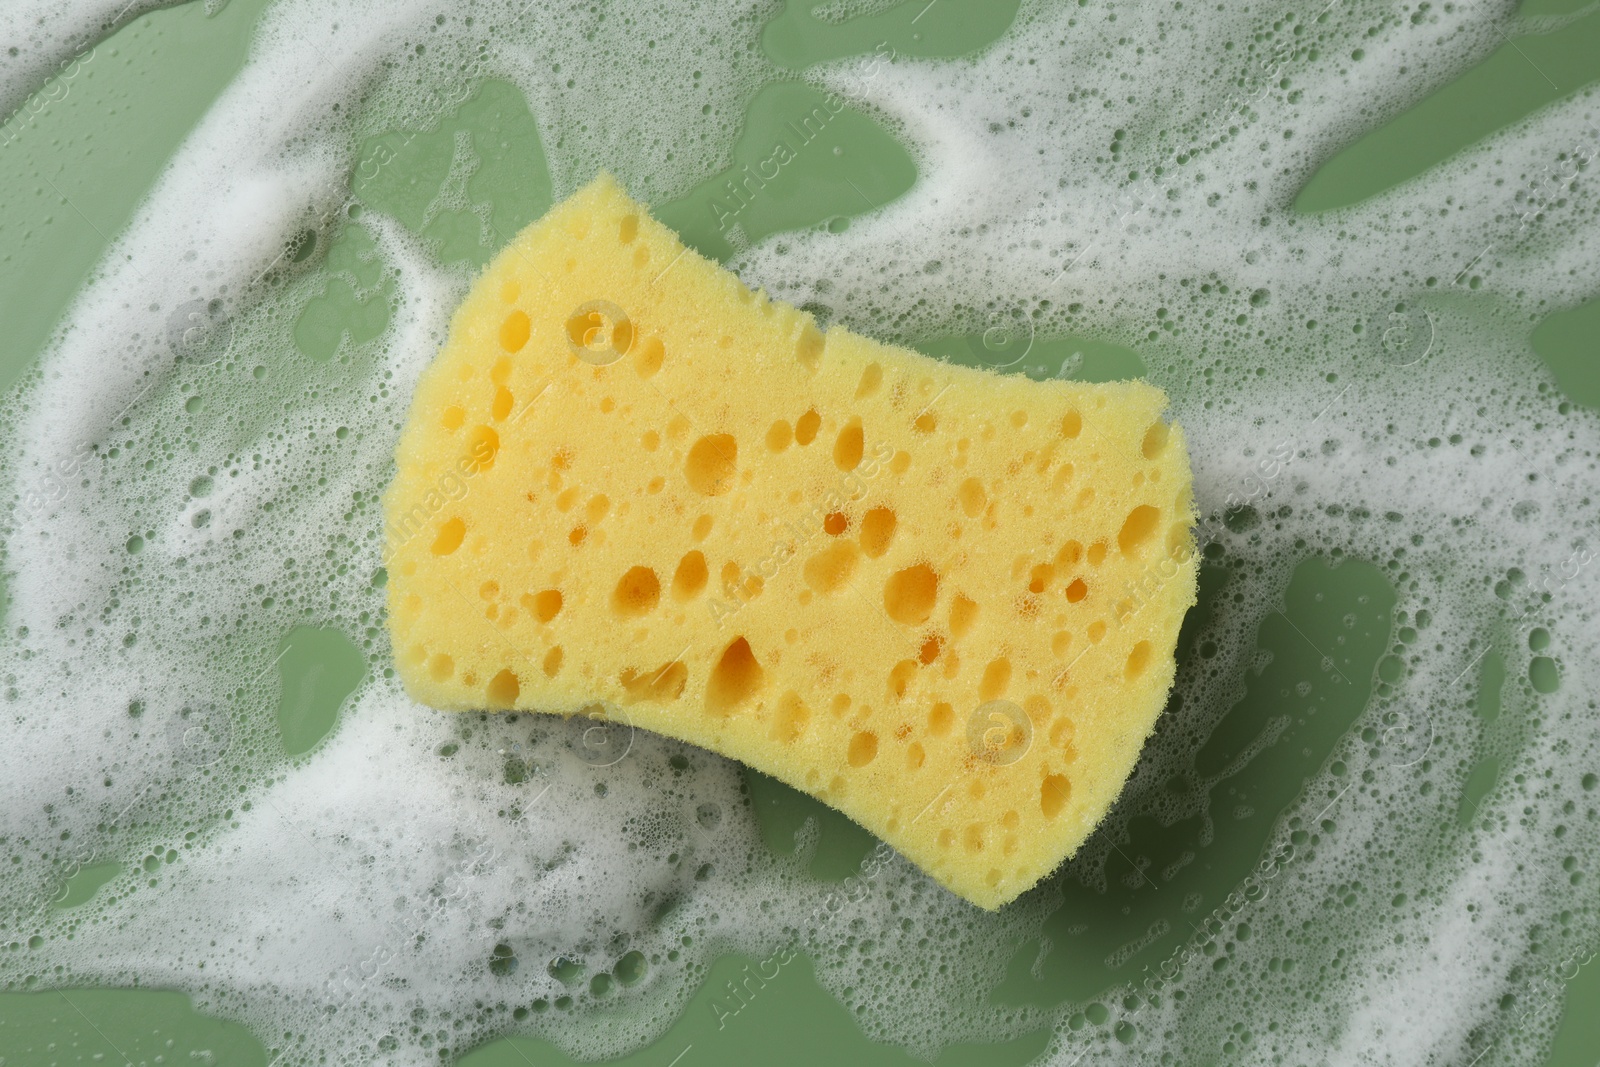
(941, 600)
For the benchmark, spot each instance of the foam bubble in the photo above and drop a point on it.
(1356, 384)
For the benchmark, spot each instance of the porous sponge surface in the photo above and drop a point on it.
(941, 600)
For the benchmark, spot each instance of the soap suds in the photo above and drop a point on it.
(187, 489)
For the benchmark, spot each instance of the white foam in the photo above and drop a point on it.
(379, 875)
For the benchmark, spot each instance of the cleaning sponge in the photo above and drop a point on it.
(941, 600)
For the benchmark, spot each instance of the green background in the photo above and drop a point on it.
(76, 170)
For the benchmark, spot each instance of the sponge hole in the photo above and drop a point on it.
(806, 427)
(621, 336)
(552, 662)
(1041, 577)
(871, 378)
(503, 690)
(848, 446)
(450, 536)
(877, 530)
(996, 679)
(664, 683)
(831, 568)
(1061, 732)
(736, 678)
(544, 606)
(1077, 590)
(637, 593)
(690, 577)
(808, 348)
(909, 594)
(501, 406)
(628, 229)
(941, 719)
(1138, 660)
(441, 667)
(711, 464)
(1136, 531)
(583, 329)
(835, 523)
(483, 444)
(900, 678)
(1054, 792)
(963, 613)
(790, 719)
(1155, 440)
(972, 497)
(863, 749)
(1071, 424)
(514, 331)
(648, 359)
(779, 434)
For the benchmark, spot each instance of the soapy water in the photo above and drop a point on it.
(1355, 385)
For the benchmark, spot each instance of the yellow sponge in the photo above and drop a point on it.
(941, 600)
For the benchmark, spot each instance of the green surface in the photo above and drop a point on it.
(1569, 341)
(317, 669)
(78, 166)
(802, 156)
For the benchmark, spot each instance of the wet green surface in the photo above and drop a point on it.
(82, 886)
(103, 144)
(317, 670)
(804, 157)
(490, 137)
(1569, 342)
(117, 1027)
